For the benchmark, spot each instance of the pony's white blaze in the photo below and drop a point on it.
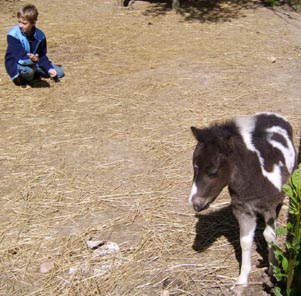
(246, 126)
(194, 191)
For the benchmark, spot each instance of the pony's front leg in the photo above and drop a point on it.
(247, 226)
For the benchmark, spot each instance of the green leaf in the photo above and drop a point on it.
(289, 245)
(296, 245)
(288, 190)
(278, 251)
(278, 276)
(296, 179)
(277, 291)
(289, 226)
(281, 231)
(284, 264)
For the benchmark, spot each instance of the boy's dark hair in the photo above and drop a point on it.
(28, 12)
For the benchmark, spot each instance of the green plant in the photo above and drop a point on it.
(294, 4)
(287, 272)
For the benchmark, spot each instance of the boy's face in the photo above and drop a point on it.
(25, 25)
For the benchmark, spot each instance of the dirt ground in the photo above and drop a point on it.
(105, 154)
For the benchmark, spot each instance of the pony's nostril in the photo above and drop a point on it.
(198, 207)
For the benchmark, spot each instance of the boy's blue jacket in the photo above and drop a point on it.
(18, 46)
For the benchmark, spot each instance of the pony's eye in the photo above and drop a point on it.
(212, 174)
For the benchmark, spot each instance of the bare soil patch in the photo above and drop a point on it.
(106, 153)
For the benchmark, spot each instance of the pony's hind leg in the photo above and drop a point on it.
(269, 234)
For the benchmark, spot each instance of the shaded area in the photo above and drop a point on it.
(216, 10)
(205, 10)
(213, 225)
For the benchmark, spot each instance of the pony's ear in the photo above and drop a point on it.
(194, 131)
(199, 134)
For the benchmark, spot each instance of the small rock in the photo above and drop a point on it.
(95, 244)
(272, 59)
(107, 248)
(46, 267)
(102, 248)
(72, 270)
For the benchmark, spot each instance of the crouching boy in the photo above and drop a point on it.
(26, 55)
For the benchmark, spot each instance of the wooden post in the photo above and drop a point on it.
(175, 4)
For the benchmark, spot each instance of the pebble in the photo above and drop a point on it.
(46, 267)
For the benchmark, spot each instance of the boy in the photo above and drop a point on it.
(26, 55)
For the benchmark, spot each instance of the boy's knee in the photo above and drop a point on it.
(60, 72)
(26, 72)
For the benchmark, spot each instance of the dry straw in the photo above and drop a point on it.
(106, 153)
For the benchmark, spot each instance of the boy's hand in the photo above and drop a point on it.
(33, 57)
(52, 73)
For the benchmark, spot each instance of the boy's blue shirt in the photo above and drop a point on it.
(18, 46)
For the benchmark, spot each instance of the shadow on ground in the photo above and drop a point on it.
(223, 223)
(205, 10)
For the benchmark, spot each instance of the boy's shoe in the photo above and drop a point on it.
(25, 86)
(36, 77)
(19, 81)
(55, 79)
